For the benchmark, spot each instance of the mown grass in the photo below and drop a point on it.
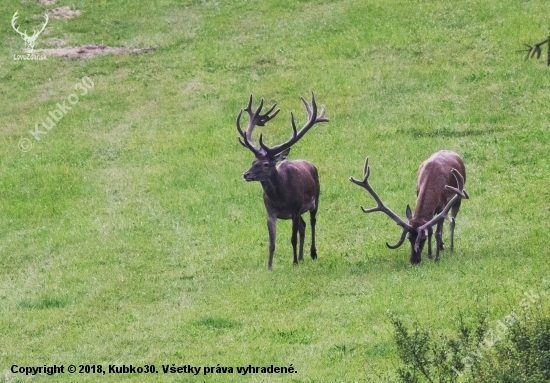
(129, 237)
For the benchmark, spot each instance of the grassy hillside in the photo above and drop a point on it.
(128, 236)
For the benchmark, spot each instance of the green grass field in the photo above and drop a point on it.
(128, 236)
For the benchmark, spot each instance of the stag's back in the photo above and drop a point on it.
(433, 175)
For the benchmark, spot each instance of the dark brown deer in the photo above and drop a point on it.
(440, 188)
(290, 189)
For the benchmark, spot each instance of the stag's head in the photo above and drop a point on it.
(415, 230)
(266, 160)
(417, 237)
(263, 166)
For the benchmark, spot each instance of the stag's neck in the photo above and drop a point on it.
(274, 186)
(426, 207)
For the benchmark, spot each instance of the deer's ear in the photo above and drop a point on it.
(409, 213)
(282, 156)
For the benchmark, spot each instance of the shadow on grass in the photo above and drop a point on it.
(215, 322)
(46, 302)
(447, 132)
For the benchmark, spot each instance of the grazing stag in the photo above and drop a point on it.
(440, 187)
(290, 189)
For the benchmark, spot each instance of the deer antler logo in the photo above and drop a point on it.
(29, 40)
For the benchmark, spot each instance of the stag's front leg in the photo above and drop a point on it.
(272, 229)
(441, 243)
(294, 238)
(438, 239)
(302, 231)
(452, 221)
(430, 232)
(452, 231)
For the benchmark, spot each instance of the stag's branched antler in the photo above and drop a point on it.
(258, 119)
(311, 120)
(255, 119)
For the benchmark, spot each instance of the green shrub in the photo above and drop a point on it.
(514, 350)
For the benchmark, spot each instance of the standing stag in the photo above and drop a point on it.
(290, 189)
(440, 187)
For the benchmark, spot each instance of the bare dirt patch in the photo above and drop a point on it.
(46, 2)
(90, 50)
(62, 13)
(55, 42)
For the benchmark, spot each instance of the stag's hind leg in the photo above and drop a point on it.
(313, 221)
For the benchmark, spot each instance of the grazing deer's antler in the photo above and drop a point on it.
(29, 40)
(381, 207)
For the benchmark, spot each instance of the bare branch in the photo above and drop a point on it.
(536, 50)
